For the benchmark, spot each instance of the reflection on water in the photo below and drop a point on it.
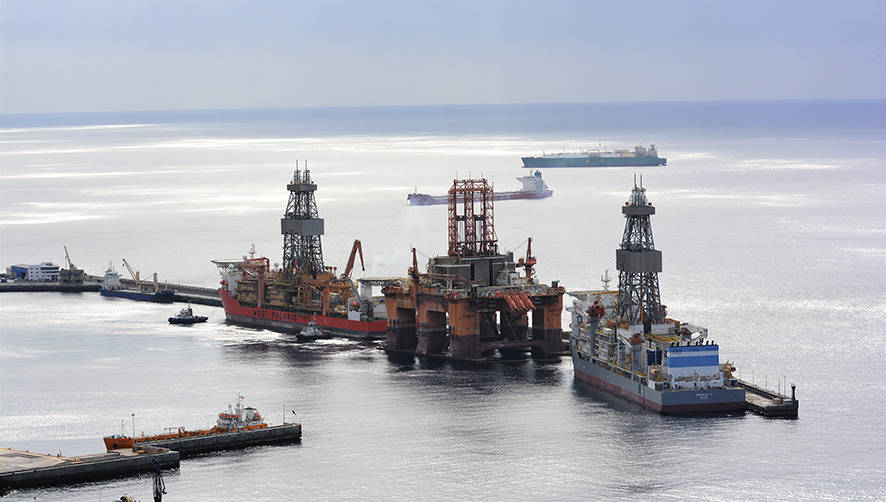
(760, 246)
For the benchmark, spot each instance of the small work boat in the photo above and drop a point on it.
(186, 316)
(311, 333)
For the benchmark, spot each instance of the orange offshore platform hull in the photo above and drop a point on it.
(288, 321)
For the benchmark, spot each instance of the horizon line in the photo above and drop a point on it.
(448, 105)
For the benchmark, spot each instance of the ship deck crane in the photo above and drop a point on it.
(137, 279)
(68, 262)
(529, 261)
(357, 247)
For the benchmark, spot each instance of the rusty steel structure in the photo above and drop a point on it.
(304, 289)
(472, 302)
(472, 233)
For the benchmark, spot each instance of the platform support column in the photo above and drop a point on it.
(465, 331)
(401, 328)
(431, 332)
(547, 328)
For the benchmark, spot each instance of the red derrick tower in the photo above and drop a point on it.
(472, 233)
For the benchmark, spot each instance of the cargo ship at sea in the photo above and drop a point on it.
(533, 187)
(624, 343)
(304, 289)
(151, 292)
(638, 156)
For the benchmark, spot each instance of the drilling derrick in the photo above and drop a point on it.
(472, 302)
(301, 227)
(638, 263)
(470, 233)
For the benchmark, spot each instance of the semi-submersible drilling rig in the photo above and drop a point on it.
(472, 301)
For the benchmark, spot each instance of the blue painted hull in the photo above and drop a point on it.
(164, 296)
(681, 402)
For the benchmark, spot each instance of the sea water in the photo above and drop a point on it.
(771, 217)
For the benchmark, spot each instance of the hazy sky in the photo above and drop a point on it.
(79, 55)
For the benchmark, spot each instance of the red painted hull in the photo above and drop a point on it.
(289, 321)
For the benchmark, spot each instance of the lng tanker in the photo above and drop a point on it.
(533, 187)
(303, 290)
(623, 343)
(639, 156)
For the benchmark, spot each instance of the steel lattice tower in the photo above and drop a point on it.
(638, 263)
(301, 227)
(472, 233)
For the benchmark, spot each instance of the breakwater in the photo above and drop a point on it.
(24, 469)
(183, 293)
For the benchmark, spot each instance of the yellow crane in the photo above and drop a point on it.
(137, 279)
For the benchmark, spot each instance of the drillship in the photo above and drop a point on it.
(304, 289)
(533, 188)
(639, 156)
(622, 341)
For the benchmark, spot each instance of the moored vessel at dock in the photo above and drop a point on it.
(238, 426)
(638, 156)
(113, 286)
(533, 187)
(288, 298)
(472, 303)
(623, 343)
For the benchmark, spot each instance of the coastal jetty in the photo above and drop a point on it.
(194, 445)
(37, 287)
(92, 283)
(24, 469)
(769, 403)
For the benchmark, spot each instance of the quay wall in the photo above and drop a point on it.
(231, 440)
(91, 467)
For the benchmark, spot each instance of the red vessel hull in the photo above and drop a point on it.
(288, 321)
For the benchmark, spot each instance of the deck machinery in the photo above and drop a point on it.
(472, 301)
(304, 289)
(304, 283)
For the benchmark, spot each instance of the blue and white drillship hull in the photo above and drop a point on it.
(675, 402)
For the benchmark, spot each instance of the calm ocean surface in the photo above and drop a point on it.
(771, 217)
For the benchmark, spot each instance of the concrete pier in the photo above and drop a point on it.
(32, 287)
(189, 446)
(769, 403)
(23, 469)
(183, 293)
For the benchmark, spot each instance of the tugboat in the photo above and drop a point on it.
(311, 333)
(186, 316)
